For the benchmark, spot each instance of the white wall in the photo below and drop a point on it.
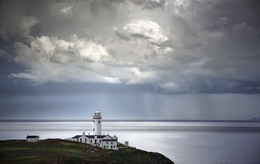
(108, 144)
(97, 127)
(32, 139)
(99, 142)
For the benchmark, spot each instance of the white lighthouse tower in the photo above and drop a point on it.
(97, 123)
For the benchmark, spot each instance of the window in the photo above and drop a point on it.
(94, 121)
(107, 146)
(98, 121)
(85, 140)
(91, 141)
(107, 142)
(93, 129)
(114, 146)
(111, 142)
(99, 141)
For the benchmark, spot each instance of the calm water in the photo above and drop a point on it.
(182, 142)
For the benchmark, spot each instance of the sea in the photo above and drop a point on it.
(184, 142)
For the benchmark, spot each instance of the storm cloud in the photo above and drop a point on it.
(154, 51)
(176, 46)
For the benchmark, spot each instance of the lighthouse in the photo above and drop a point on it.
(96, 139)
(97, 123)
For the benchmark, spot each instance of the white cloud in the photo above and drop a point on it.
(144, 39)
(136, 71)
(146, 29)
(89, 50)
(27, 76)
(173, 87)
(50, 59)
(142, 77)
(66, 10)
(163, 50)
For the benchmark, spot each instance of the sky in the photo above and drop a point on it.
(130, 59)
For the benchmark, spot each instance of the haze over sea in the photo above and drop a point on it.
(182, 142)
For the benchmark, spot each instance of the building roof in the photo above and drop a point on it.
(32, 137)
(103, 137)
(77, 136)
(93, 136)
(90, 136)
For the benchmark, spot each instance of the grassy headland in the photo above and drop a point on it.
(60, 151)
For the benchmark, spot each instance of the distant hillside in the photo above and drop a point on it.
(60, 151)
(255, 119)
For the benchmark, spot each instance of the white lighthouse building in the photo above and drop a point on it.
(97, 123)
(97, 139)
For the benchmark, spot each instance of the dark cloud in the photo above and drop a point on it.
(198, 40)
(158, 47)
(150, 4)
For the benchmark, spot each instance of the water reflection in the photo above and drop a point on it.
(183, 142)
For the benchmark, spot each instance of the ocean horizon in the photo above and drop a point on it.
(121, 120)
(180, 141)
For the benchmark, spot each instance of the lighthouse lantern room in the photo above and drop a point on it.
(97, 123)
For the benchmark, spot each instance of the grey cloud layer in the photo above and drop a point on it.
(176, 46)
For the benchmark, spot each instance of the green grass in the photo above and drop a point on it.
(131, 155)
(60, 151)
